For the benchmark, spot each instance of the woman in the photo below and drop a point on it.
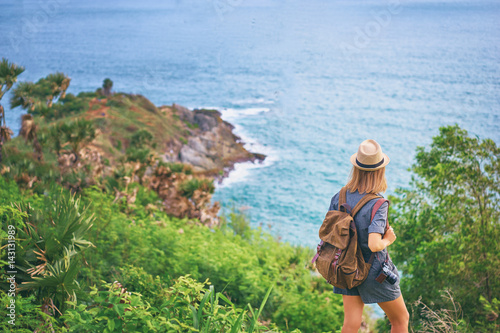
(368, 176)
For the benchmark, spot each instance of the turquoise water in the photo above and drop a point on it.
(304, 82)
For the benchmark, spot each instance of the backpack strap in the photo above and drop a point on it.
(342, 196)
(343, 201)
(360, 204)
(364, 200)
(376, 207)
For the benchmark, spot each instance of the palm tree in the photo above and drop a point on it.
(29, 132)
(44, 90)
(33, 97)
(107, 84)
(5, 135)
(77, 135)
(8, 75)
(53, 242)
(59, 83)
(24, 96)
(2, 115)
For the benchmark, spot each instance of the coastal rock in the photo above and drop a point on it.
(196, 156)
(204, 121)
(184, 113)
(211, 148)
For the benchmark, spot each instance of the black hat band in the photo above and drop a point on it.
(370, 166)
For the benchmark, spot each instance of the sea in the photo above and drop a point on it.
(303, 82)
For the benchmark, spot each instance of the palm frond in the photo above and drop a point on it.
(59, 83)
(23, 95)
(8, 75)
(70, 224)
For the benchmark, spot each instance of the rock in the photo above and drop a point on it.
(191, 156)
(211, 148)
(197, 144)
(205, 122)
(184, 113)
(259, 157)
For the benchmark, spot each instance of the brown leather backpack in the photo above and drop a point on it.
(339, 258)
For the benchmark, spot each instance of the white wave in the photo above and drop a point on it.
(241, 171)
(253, 101)
(203, 107)
(232, 113)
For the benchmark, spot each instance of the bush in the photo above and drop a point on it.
(187, 306)
(141, 138)
(188, 187)
(447, 224)
(237, 221)
(242, 269)
(29, 316)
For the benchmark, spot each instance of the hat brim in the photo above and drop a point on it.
(353, 161)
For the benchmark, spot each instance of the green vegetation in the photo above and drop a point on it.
(188, 187)
(150, 253)
(106, 87)
(110, 238)
(447, 227)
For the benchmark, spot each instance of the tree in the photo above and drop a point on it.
(447, 223)
(39, 97)
(8, 76)
(33, 97)
(5, 135)
(107, 84)
(29, 131)
(77, 135)
(23, 96)
(59, 83)
(50, 247)
(44, 91)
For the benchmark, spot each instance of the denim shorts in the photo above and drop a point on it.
(372, 291)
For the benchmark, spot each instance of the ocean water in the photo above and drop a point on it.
(303, 81)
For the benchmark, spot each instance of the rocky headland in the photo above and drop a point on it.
(121, 142)
(211, 148)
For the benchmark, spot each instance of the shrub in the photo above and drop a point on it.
(187, 306)
(188, 187)
(29, 316)
(141, 138)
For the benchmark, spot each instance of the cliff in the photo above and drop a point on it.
(118, 141)
(199, 138)
(211, 147)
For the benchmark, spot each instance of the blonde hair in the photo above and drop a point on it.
(367, 181)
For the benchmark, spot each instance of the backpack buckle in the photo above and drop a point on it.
(336, 259)
(347, 208)
(318, 249)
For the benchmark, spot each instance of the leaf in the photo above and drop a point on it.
(196, 323)
(111, 325)
(237, 324)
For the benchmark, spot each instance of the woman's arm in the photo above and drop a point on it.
(377, 243)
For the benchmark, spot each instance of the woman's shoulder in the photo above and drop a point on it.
(334, 201)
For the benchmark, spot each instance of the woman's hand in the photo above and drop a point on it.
(390, 236)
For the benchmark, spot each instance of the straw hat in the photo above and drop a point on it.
(369, 156)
